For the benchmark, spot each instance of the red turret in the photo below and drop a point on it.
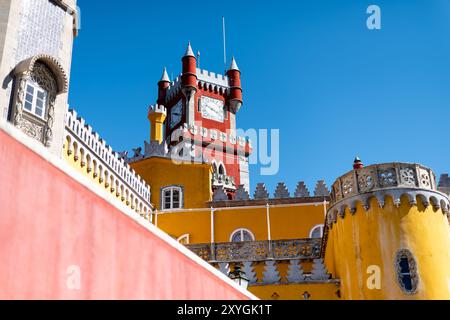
(163, 85)
(189, 76)
(235, 96)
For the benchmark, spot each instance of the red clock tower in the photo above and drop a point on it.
(201, 121)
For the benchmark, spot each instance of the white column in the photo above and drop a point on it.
(212, 225)
(156, 218)
(269, 233)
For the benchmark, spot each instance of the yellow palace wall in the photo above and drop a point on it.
(162, 172)
(286, 222)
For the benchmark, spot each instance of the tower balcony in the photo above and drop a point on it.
(222, 180)
(395, 180)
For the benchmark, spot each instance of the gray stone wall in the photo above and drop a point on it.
(4, 15)
(35, 27)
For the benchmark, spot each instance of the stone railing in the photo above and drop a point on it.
(257, 251)
(104, 164)
(391, 179)
(222, 180)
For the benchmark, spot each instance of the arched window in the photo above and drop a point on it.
(407, 271)
(172, 198)
(242, 235)
(316, 232)
(222, 169)
(184, 239)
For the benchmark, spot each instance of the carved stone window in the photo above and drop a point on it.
(38, 81)
(407, 276)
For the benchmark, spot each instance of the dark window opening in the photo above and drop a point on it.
(407, 272)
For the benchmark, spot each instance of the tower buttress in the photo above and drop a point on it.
(157, 115)
(163, 85)
(235, 96)
(189, 82)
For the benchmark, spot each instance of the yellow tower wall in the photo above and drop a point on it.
(366, 235)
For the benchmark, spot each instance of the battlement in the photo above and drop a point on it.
(395, 180)
(281, 195)
(105, 164)
(157, 109)
(174, 88)
(212, 78)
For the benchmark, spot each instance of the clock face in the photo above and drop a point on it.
(212, 109)
(176, 114)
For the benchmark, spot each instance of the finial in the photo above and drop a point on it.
(357, 164)
(234, 65)
(165, 76)
(189, 51)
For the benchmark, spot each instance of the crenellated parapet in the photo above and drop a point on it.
(174, 89)
(280, 194)
(110, 169)
(212, 81)
(157, 109)
(395, 180)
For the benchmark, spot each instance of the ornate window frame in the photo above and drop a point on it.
(242, 231)
(172, 188)
(412, 271)
(46, 73)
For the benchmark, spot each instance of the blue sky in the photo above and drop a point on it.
(309, 68)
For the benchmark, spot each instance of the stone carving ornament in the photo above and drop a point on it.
(408, 176)
(387, 177)
(366, 180)
(39, 129)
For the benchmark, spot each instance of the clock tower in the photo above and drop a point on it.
(201, 121)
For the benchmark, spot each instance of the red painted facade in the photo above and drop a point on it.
(51, 224)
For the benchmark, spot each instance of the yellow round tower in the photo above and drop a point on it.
(387, 234)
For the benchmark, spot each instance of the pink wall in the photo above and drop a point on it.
(49, 222)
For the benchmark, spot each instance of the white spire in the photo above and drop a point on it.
(234, 65)
(165, 76)
(189, 51)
